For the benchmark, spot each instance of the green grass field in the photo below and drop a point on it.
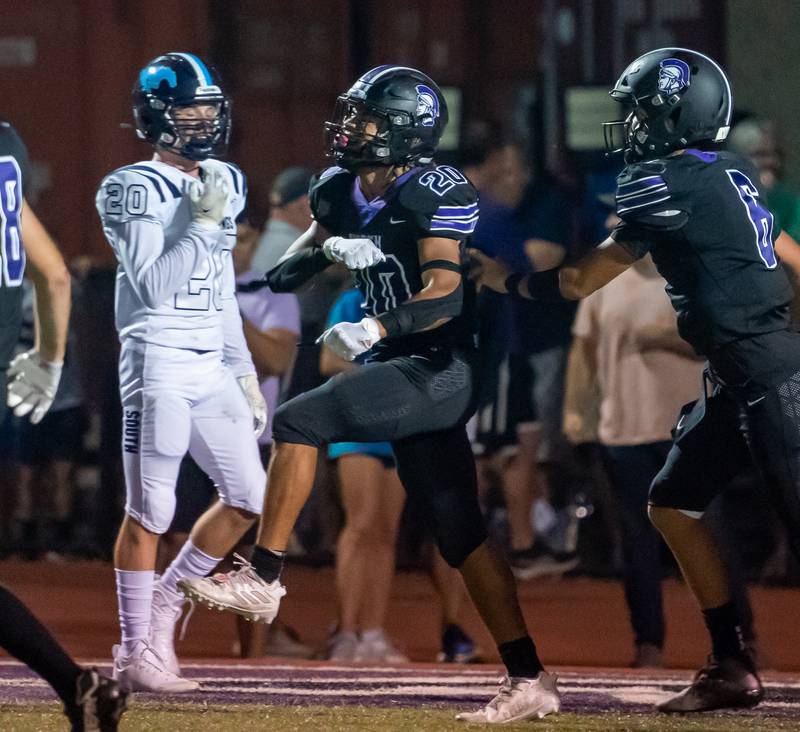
(153, 717)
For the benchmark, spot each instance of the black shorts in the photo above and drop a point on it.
(195, 492)
(58, 437)
(503, 404)
(751, 417)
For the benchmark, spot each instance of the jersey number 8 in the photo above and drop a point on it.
(11, 251)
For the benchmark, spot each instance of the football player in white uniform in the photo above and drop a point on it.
(171, 223)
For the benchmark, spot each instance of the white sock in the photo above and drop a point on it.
(134, 596)
(190, 563)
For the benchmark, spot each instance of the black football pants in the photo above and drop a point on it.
(753, 414)
(420, 403)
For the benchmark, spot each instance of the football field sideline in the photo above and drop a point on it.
(325, 696)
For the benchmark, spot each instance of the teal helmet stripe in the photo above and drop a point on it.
(203, 75)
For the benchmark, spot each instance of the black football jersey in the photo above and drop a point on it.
(13, 175)
(703, 217)
(426, 201)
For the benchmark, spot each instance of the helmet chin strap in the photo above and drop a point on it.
(173, 157)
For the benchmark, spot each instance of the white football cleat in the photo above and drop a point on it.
(518, 699)
(145, 670)
(164, 616)
(242, 592)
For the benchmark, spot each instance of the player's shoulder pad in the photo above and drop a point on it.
(136, 191)
(445, 197)
(326, 190)
(648, 193)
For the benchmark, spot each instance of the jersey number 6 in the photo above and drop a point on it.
(760, 217)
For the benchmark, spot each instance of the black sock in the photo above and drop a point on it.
(726, 632)
(25, 638)
(519, 657)
(267, 563)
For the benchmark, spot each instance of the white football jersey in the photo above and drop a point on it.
(173, 276)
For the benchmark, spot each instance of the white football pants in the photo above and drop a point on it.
(174, 400)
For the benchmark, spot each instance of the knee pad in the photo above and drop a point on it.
(157, 507)
(250, 496)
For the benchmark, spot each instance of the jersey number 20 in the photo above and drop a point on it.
(11, 251)
(760, 217)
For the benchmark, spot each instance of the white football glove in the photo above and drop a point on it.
(32, 385)
(348, 340)
(252, 392)
(353, 253)
(209, 198)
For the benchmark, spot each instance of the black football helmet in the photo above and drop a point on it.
(678, 98)
(407, 109)
(177, 80)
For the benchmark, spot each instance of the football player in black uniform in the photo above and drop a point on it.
(91, 701)
(700, 212)
(399, 221)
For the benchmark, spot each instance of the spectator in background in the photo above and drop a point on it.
(271, 325)
(626, 342)
(526, 224)
(47, 453)
(289, 216)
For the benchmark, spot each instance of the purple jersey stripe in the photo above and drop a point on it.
(457, 210)
(461, 219)
(643, 193)
(648, 180)
(465, 228)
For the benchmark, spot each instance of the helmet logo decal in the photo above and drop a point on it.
(427, 105)
(151, 77)
(673, 76)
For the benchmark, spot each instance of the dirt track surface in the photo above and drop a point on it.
(575, 622)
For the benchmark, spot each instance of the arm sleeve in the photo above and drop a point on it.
(294, 272)
(156, 272)
(234, 350)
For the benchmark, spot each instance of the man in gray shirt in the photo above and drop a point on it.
(289, 217)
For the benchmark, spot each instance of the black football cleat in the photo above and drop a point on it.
(99, 703)
(730, 683)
